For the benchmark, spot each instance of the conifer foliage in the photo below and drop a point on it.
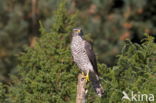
(47, 72)
(135, 71)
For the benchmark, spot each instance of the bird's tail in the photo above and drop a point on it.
(96, 84)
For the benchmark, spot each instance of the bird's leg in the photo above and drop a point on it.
(86, 77)
(83, 73)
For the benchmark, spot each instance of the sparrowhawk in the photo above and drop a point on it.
(85, 59)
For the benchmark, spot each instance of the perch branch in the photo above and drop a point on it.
(81, 91)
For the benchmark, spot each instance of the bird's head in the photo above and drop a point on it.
(77, 32)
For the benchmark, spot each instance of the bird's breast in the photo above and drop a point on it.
(79, 54)
(77, 45)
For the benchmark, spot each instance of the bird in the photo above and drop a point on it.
(84, 56)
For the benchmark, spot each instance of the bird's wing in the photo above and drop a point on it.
(91, 56)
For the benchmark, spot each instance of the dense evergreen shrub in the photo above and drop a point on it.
(47, 74)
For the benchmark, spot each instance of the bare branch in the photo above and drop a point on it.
(81, 91)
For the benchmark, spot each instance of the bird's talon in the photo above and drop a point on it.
(86, 77)
(83, 74)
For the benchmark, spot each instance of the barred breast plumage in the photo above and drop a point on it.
(84, 57)
(80, 55)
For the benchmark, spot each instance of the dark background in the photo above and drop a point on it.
(107, 23)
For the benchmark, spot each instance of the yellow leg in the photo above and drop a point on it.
(86, 76)
(83, 73)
